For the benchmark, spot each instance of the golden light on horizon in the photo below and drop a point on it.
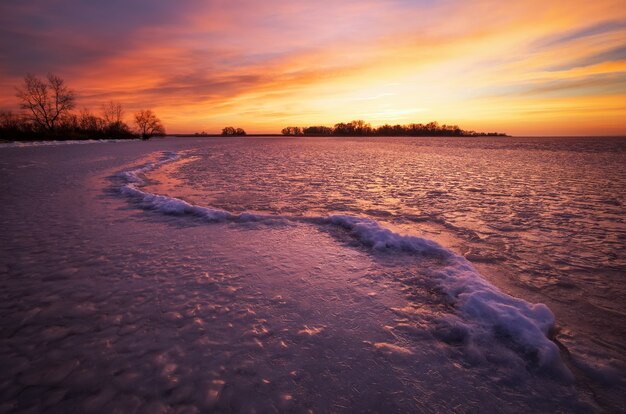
(521, 68)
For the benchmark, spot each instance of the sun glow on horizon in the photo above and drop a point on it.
(524, 67)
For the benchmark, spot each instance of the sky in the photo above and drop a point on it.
(548, 67)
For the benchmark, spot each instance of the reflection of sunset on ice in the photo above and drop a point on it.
(161, 276)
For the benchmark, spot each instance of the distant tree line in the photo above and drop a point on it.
(48, 113)
(233, 132)
(361, 128)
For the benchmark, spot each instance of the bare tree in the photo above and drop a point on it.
(47, 101)
(113, 113)
(9, 120)
(292, 131)
(148, 124)
(87, 121)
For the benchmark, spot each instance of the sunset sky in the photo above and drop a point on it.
(523, 67)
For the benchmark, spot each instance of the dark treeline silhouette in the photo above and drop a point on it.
(233, 132)
(361, 128)
(48, 114)
(148, 124)
(291, 131)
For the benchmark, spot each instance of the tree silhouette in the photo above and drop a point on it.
(361, 128)
(230, 131)
(113, 113)
(47, 101)
(292, 131)
(317, 130)
(148, 124)
(47, 106)
(87, 121)
(113, 117)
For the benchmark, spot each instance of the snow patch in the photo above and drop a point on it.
(372, 234)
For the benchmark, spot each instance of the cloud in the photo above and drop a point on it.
(203, 63)
(582, 33)
(612, 55)
(596, 84)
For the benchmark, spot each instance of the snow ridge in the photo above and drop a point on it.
(164, 204)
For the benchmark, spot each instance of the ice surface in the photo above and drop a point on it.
(164, 204)
(488, 312)
(541, 218)
(108, 305)
(25, 144)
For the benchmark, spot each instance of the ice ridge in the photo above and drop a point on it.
(485, 311)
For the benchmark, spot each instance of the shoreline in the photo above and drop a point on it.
(25, 143)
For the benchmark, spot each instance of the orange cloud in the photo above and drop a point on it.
(524, 67)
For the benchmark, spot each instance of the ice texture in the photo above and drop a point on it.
(541, 218)
(170, 205)
(119, 298)
(487, 311)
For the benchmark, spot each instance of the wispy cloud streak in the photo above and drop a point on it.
(204, 64)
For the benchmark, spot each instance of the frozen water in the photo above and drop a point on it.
(487, 310)
(541, 218)
(110, 305)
